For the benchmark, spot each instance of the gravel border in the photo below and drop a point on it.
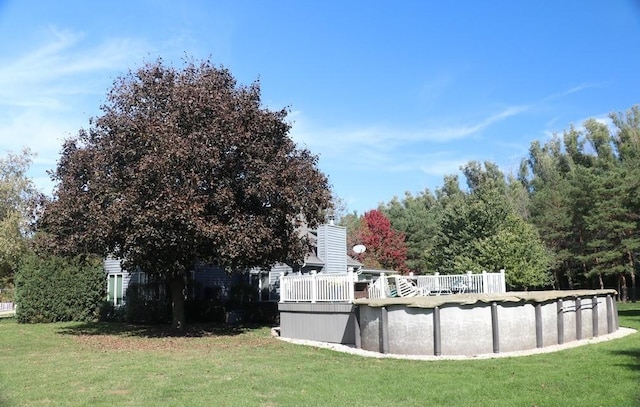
(621, 332)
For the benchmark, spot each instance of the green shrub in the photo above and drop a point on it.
(59, 289)
(240, 294)
(147, 303)
(7, 295)
(111, 313)
(265, 313)
(204, 311)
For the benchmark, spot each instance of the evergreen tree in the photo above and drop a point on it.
(418, 217)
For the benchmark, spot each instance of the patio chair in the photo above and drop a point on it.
(390, 289)
(459, 287)
(405, 287)
(424, 291)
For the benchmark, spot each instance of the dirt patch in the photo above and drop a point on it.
(109, 343)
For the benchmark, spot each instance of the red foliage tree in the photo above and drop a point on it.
(386, 246)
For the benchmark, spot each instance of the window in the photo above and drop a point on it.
(114, 289)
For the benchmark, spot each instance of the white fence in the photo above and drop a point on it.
(317, 287)
(6, 306)
(485, 283)
(340, 288)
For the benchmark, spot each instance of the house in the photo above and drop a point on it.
(212, 282)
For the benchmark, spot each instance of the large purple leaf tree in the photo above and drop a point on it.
(184, 165)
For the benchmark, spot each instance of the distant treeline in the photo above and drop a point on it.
(568, 219)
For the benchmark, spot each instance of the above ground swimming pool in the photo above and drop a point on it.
(456, 324)
(473, 324)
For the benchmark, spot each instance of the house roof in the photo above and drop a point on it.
(313, 260)
(378, 271)
(351, 262)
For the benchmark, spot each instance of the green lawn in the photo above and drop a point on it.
(113, 364)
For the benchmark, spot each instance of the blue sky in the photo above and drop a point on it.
(391, 95)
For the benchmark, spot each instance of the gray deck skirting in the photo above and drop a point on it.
(326, 322)
(337, 307)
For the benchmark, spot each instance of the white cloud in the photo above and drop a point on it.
(442, 167)
(383, 136)
(65, 65)
(396, 149)
(435, 86)
(570, 91)
(48, 92)
(443, 134)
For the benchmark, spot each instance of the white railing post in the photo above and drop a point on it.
(383, 285)
(503, 282)
(437, 285)
(351, 285)
(314, 286)
(485, 282)
(282, 290)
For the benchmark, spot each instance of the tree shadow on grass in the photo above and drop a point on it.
(630, 313)
(155, 331)
(630, 353)
(632, 316)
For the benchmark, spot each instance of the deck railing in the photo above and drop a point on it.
(315, 287)
(485, 283)
(7, 306)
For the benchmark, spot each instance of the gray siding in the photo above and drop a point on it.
(280, 268)
(214, 282)
(332, 248)
(112, 266)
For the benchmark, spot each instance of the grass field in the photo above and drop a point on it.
(72, 364)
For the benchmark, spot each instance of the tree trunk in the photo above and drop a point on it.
(569, 278)
(600, 282)
(632, 265)
(177, 303)
(623, 288)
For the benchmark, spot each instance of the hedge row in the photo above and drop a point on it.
(59, 289)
